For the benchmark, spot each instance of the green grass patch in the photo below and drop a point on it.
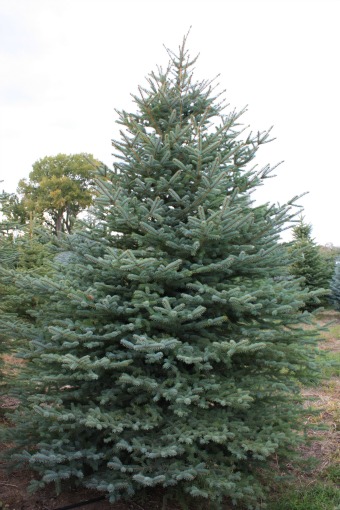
(314, 497)
(332, 473)
(333, 331)
(330, 364)
(323, 493)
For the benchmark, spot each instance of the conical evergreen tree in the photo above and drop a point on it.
(168, 350)
(335, 287)
(310, 266)
(24, 248)
(24, 251)
(8, 259)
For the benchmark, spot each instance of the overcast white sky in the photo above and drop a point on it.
(65, 65)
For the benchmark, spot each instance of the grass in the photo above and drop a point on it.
(315, 497)
(314, 483)
(331, 367)
(330, 345)
(332, 473)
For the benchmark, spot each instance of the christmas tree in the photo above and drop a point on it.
(167, 350)
(8, 259)
(309, 265)
(335, 287)
(23, 250)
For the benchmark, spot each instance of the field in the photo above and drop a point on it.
(310, 483)
(314, 482)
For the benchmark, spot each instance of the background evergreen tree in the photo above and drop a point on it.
(310, 266)
(23, 250)
(335, 287)
(8, 259)
(330, 255)
(167, 350)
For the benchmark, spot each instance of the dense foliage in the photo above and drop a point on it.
(167, 349)
(22, 251)
(59, 188)
(310, 266)
(335, 287)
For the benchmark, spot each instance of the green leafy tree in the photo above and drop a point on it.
(13, 212)
(309, 265)
(168, 351)
(59, 188)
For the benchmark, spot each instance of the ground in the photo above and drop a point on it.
(316, 479)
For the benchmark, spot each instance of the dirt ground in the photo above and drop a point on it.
(324, 447)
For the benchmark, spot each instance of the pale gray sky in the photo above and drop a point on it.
(65, 65)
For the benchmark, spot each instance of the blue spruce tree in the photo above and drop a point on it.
(23, 251)
(335, 287)
(309, 266)
(167, 349)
